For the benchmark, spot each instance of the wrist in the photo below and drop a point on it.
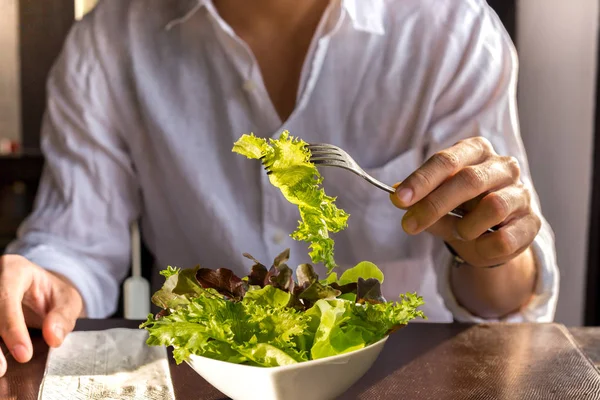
(498, 292)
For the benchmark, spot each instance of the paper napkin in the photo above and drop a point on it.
(109, 364)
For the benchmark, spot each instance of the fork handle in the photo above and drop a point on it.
(380, 185)
(458, 213)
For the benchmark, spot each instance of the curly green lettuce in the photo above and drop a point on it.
(299, 180)
(271, 325)
(259, 330)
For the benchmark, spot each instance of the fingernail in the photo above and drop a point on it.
(59, 332)
(20, 353)
(410, 223)
(405, 195)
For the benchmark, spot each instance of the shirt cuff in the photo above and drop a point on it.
(97, 292)
(541, 307)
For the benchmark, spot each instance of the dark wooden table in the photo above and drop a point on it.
(422, 361)
(588, 339)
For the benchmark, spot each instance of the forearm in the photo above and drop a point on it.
(495, 292)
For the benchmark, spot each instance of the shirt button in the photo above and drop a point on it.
(278, 237)
(249, 85)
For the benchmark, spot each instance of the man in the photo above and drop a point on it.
(148, 97)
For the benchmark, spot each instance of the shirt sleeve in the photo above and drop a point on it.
(479, 99)
(88, 193)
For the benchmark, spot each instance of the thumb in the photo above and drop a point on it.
(394, 197)
(61, 318)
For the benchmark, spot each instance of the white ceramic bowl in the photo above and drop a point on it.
(322, 379)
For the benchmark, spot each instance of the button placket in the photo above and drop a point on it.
(245, 63)
(311, 77)
(278, 237)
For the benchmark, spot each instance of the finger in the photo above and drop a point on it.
(62, 316)
(2, 364)
(394, 198)
(440, 167)
(12, 322)
(508, 241)
(467, 184)
(494, 209)
(492, 248)
(445, 229)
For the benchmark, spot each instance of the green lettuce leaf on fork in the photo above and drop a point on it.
(300, 183)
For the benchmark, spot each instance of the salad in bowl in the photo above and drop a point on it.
(277, 319)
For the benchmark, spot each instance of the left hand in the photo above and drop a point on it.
(470, 175)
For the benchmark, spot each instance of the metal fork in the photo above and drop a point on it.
(329, 155)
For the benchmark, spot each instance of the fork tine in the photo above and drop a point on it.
(324, 152)
(320, 151)
(322, 146)
(327, 157)
(332, 163)
(266, 166)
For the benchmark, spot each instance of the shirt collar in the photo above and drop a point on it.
(188, 9)
(366, 15)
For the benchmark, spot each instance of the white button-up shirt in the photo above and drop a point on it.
(148, 97)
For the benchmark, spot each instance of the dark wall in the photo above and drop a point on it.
(43, 26)
(592, 303)
(507, 11)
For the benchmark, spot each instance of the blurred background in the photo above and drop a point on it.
(557, 42)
